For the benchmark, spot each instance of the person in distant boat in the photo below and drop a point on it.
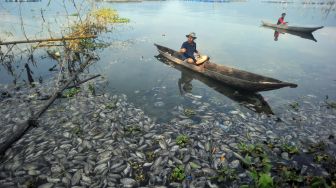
(281, 20)
(188, 50)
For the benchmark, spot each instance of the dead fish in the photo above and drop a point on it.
(100, 168)
(128, 182)
(163, 144)
(76, 177)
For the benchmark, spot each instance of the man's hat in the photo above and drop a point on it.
(283, 14)
(192, 34)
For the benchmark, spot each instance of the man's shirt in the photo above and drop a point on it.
(190, 49)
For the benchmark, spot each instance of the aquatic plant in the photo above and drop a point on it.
(295, 105)
(290, 175)
(320, 146)
(265, 164)
(135, 165)
(317, 182)
(31, 183)
(92, 89)
(246, 161)
(150, 156)
(178, 174)
(189, 112)
(265, 181)
(131, 129)
(262, 180)
(77, 130)
(251, 149)
(96, 21)
(321, 157)
(74, 14)
(182, 140)
(140, 176)
(108, 15)
(71, 92)
(226, 174)
(290, 149)
(111, 105)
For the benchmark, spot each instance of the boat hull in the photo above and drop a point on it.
(239, 79)
(292, 28)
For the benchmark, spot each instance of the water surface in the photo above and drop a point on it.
(230, 33)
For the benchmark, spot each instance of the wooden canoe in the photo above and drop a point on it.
(292, 28)
(308, 36)
(238, 79)
(250, 100)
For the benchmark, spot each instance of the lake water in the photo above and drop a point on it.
(230, 33)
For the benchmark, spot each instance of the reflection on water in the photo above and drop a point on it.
(252, 101)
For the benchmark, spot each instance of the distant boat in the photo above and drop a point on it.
(304, 35)
(292, 28)
(252, 101)
(239, 79)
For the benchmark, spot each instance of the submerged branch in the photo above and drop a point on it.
(83, 81)
(48, 40)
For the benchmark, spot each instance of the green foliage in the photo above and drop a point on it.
(226, 174)
(189, 112)
(71, 92)
(290, 176)
(318, 182)
(108, 15)
(178, 174)
(321, 157)
(92, 89)
(111, 105)
(77, 131)
(262, 180)
(131, 129)
(266, 163)
(251, 149)
(138, 173)
(254, 175)
(87, 43)
(74, 14)
(290, 149)
(294, 105)
(265, 181)
(140, 176)
(247, 160)
(150, 156)
(182, 140)
(245, 148)
(320, 146)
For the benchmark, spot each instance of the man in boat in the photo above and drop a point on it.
(281, 20)
(188, 50)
